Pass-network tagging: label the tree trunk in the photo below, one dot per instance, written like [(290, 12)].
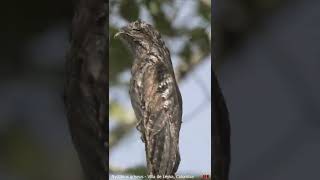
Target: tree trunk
[(221, 139), (86, 87)]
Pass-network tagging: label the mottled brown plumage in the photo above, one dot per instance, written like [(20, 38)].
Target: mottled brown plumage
[(155, 97)]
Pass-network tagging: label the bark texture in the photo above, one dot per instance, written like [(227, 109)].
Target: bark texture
[(221, 132), (86, 86)]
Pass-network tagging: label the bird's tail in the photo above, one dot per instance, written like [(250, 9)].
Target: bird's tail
[(162, 150)]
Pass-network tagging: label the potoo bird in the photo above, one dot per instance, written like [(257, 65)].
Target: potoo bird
[(155, 97)]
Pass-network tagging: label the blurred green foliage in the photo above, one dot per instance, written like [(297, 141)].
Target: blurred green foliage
[(20, 157), (119, 57)]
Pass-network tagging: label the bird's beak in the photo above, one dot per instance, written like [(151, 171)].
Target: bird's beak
[(118, 34), (122, 31)]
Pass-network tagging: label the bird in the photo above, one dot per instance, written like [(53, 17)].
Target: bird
[(155, 97)]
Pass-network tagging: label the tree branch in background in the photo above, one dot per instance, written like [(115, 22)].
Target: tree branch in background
[(120, 132), (86, 87), (221, 134), (188, 65)]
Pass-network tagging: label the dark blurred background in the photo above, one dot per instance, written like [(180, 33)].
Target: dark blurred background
[(34, 138), (268, 66)]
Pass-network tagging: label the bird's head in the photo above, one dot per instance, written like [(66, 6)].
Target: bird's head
[(139, 37)]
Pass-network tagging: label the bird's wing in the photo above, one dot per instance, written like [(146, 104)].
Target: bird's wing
[(161, 119)]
